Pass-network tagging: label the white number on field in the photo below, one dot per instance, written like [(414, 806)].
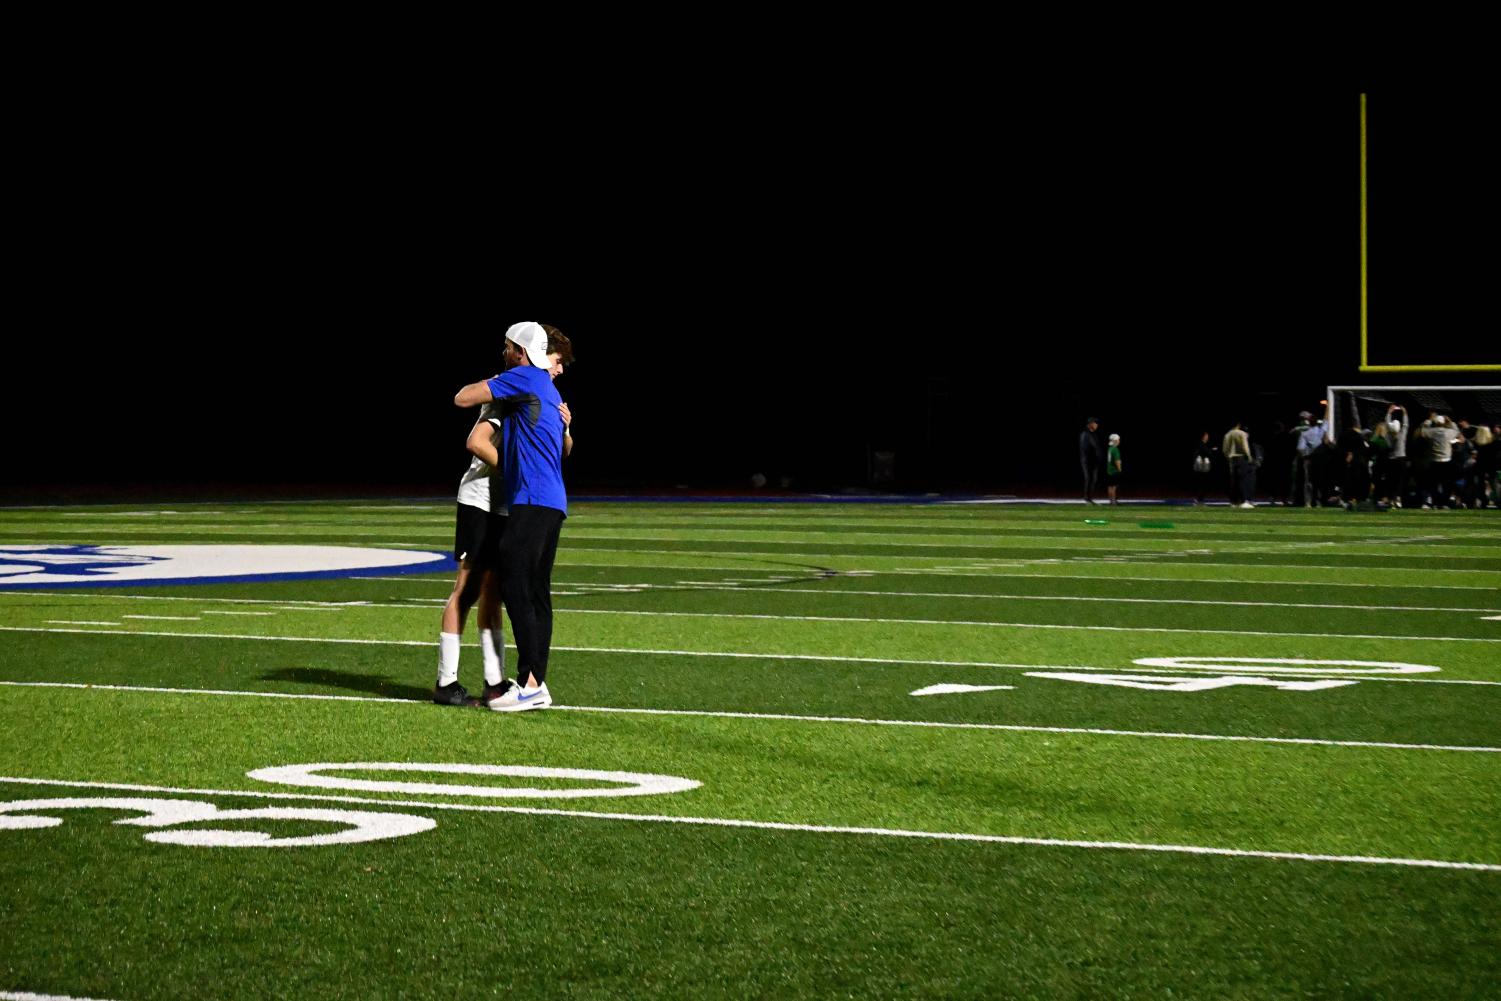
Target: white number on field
[(623, 783), (358, 825), (1284, 665), (1159, 683)]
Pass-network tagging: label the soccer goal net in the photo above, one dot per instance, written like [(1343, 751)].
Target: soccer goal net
[(1438, 445), (1366, 406)]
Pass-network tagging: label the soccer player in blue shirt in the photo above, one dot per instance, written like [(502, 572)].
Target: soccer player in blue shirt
[(532, 436), (480, 525)]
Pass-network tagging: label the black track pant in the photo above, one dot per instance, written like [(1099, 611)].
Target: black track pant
[(527, 551), (1242, 481), (1091, 478)]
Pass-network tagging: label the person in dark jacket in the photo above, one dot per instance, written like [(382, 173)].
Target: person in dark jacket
[(1381, 465), (1275, 471), (1203, 467), (1355, 465), (1091, 458)]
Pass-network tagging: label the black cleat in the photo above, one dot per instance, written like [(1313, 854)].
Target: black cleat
[(452, 694)]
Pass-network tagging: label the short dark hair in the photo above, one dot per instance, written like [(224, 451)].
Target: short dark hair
[(558, 344)]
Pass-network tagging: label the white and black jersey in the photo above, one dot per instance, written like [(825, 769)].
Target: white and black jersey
[(475, 488)]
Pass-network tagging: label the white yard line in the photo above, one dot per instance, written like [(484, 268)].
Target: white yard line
[(297, 605), (249, 528), (433, 506), (164, 618), (134, 514), (212, 611), (847, 619), (720, 584), (978, 624), (959, 572), (788, 717), (1020, 728), (1125, 545), (1070, 597), (1387, 585), (1061, 560), (776, 826), (80, 622), (640, 651)]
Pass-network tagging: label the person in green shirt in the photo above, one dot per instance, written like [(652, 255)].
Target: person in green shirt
[(1113, 468)]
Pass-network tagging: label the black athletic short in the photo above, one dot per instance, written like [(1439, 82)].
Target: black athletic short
[(476, 539)]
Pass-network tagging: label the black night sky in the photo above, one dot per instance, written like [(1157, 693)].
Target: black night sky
[(278, 291)]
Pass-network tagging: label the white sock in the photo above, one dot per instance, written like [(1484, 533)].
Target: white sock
[(448, 658), (492, 645)]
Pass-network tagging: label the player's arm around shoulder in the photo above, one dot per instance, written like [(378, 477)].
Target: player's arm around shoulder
[(567, 416), (473, 394), (481, 443), (476, 393)]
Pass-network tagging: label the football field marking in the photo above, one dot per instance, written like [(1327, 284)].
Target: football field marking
[(728, 584), (1058, 561), (626, 783), (982, 624), (359, 825), (1284, 665), (292, 603), (719, 585), (657, 652), (952, 689), (972, 623), (938, 572), (766, 825), (1171, 580), (1160, 683), (28, 996), (90, 564), (793, 718)]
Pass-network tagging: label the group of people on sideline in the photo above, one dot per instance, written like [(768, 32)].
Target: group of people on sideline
[(1440, 462)]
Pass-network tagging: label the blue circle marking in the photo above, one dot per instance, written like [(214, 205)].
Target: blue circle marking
[(30, 567)]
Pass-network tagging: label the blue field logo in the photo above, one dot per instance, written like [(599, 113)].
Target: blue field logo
[(54, 566), (87, 561)]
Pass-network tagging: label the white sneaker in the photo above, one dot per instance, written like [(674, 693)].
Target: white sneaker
[(494, 693), (1248, 504), (518, 699)]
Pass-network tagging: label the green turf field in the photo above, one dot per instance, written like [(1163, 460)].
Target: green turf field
[(1256, 754)]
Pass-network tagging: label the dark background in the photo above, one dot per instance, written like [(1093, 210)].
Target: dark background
[(259, 287)]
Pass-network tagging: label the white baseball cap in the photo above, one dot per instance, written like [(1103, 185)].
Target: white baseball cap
[(533, 340)]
